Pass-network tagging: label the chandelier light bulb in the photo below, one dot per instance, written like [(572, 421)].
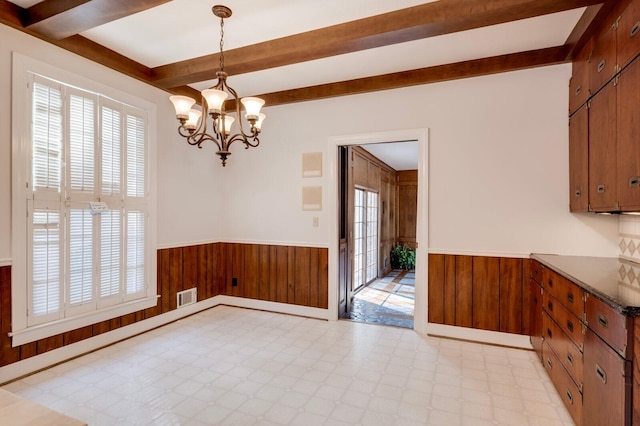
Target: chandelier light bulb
[(252, 107), (182, 104), (215, 99), (192, 122), (261, 118)]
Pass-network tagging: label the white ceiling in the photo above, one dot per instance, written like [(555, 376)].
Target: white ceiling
[(184, 29), (398, 155)]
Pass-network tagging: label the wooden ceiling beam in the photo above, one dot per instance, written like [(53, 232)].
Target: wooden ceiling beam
[(435, 74), (60, 19), (414, 23), (588, 23)]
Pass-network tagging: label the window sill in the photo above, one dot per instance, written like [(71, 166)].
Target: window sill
[(42, 331)]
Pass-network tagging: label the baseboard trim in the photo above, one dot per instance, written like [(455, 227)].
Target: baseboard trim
[(480, 336), (36, 363)]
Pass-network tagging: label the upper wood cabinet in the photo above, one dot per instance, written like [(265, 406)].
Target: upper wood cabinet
[(607, 132), (628, 34), (579, 159), (579, 90), (628, 138)]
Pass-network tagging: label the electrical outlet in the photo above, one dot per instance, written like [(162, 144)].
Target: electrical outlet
[(234, 282)]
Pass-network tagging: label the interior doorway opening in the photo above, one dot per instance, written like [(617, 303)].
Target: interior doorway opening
[(377, 197)]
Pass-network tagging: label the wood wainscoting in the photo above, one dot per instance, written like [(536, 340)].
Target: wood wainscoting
[(482, 292), (285, 274)]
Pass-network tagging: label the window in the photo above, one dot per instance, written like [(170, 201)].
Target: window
[(85, 262), (365, 237)]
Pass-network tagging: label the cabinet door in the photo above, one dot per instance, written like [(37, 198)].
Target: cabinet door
[(535, 316), (628, 138), (602, 150), (579, 161), (579, 83), (628, 34), (607, 383), (603, 63)]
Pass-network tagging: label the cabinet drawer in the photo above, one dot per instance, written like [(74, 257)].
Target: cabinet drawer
[(607, 387), (535, 316), (628, 34), (567, 352), (567, 293), (536, 271), (568, 322), (613, 327), (568, 391)]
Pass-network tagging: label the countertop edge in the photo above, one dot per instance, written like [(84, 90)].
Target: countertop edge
[(630, 311)]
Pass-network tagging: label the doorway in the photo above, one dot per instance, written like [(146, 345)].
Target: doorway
[(378, 211)]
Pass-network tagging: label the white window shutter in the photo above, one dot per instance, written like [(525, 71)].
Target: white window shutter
[(47, 135), (110, 254), (135, 160), (82, 123), (111, 137), (46, 274), (80, 261), (135, 252)]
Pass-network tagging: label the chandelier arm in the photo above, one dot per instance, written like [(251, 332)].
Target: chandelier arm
[(198, 138)]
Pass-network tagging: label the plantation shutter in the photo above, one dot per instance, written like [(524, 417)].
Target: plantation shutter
[(46, 271), (111, 144), (135, 140), (110, 253), (82, 119), (135, 252), (47, 137), (80, 242)]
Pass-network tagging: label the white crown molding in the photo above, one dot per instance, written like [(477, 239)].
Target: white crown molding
[(5, 262)]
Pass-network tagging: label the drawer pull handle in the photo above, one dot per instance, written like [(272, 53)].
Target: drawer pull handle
[(570, 297), (549, 333), (603, 321), (570, 359), (634, 181), (549, 363), (550, 282), (635, 29), (578, 193), (601, 65), (600, 189), (570, 325), (601, 373), (578, 90), (569, 397), (550, 306)]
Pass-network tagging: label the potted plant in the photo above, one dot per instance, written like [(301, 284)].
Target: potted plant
[(403, 257)]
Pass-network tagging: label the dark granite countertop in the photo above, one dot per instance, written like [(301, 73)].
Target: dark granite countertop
[(607, 278)]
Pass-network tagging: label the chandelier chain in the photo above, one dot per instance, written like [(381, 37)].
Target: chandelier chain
[(221, 44)]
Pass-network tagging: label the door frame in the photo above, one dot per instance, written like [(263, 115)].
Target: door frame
[(420, 135)]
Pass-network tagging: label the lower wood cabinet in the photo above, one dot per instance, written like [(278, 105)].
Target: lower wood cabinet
[(607, 384), (569, 392)]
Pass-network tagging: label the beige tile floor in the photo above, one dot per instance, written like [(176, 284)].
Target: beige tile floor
[(232, 366)]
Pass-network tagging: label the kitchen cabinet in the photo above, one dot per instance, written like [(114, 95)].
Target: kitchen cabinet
[(588, 337), (579, 160), (605, 128)]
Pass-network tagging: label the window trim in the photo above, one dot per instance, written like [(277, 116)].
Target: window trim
[(22, 66)]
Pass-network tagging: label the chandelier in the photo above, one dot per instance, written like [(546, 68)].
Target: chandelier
[(194, 125)]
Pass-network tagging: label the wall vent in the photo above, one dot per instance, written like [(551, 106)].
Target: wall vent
[(187, 297)]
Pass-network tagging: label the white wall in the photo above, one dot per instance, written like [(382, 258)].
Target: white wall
[(187, 177), (498, 166), (498, 163)]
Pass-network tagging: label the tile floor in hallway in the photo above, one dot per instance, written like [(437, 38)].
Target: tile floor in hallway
[(232, 366), (388, 300)]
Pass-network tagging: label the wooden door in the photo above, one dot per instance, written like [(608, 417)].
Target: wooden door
[(602, 150), (344, 270), (579, 160), (628, 138), (603, 64), (628, 34), (579, 83)]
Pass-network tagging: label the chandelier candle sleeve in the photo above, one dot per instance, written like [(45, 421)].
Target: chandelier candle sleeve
[(214, 123)]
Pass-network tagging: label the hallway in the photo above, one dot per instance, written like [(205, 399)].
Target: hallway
[(388, 301)]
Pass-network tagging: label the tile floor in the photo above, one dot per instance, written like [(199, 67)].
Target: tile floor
[(387, 300), (232, 366)]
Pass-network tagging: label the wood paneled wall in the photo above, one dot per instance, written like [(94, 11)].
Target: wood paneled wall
[(287, 274), (407, 202), (488, 293)]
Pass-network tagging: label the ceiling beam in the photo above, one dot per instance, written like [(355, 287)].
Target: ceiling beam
[(590, 21), (11, 14), (435, 74), (414, 23), (60, 19)]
